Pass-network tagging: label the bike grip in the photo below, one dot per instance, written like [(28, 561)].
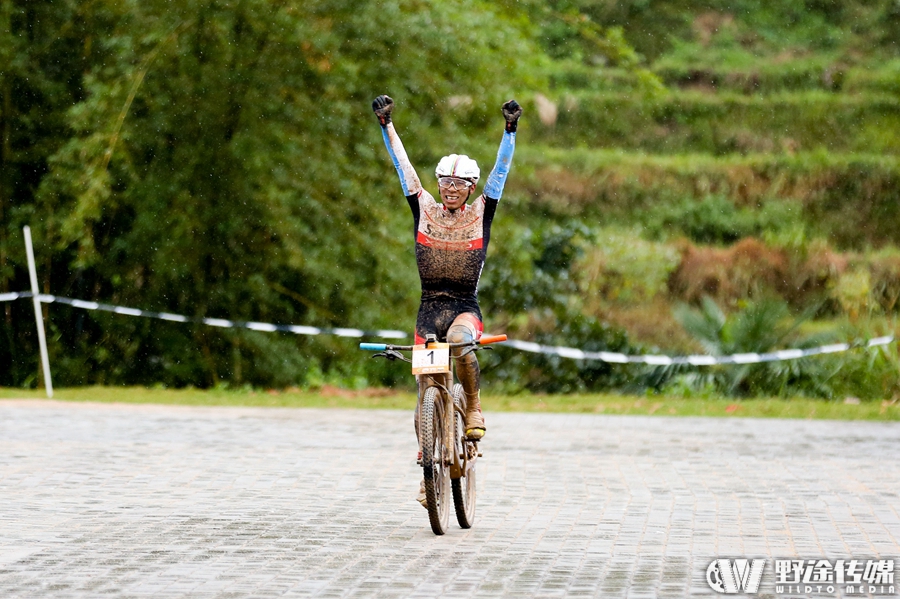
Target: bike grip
[(492, 339), (373, 346)]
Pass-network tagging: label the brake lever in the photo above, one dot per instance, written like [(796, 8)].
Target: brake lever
[(392, 355), (474, 348)]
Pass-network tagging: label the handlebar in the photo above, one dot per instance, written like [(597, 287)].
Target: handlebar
[(373, 346), (487, 340)]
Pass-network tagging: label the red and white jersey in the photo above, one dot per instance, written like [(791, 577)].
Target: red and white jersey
[(451, 245)]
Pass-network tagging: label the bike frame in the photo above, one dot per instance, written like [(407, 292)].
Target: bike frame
[(460, 460), (459, 464), (448, 463)]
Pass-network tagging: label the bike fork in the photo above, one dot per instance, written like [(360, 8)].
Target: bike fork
[(423, 383)]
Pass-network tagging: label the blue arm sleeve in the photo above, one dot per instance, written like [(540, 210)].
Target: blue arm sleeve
[(409, 181), (497, 179)]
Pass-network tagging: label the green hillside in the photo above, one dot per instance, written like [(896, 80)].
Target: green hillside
[(220, 159), (727, 122)]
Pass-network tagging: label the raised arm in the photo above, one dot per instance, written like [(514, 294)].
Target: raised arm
[(493, 188), (409, 180)]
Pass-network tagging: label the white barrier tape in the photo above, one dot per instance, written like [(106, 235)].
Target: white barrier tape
[(698, 360), (213, 322), (526, 346)]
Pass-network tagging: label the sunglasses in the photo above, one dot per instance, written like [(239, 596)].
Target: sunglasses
[(454, 183)]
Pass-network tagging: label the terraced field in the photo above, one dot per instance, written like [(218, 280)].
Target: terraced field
[(764, 168)]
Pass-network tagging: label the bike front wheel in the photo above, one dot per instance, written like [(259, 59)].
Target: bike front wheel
[(464, 486), (435, 464)]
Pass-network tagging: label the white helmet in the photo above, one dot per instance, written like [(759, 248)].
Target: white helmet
[(457, 165)]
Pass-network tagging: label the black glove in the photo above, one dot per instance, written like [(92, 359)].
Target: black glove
[(511, 112), (383, 105)]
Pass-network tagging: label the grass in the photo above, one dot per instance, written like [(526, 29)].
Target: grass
[(725, 123), (327, 397), (331, 397)]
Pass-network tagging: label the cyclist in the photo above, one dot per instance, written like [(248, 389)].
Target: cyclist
[(451, 243)]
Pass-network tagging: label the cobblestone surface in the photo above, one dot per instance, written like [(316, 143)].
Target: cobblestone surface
[(138, 501)]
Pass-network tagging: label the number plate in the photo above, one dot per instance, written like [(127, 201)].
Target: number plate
[(434, 359)]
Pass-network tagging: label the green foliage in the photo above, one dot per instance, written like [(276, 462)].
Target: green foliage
[(884, 78), (511, 371), (621, 266), (220, 159), (850, 199), (531, 291), (716, 220), (42, 48), (763, 27), (867, 374), (869, 284), (587, 54), (884, 281), (727, 123), (759, 327)]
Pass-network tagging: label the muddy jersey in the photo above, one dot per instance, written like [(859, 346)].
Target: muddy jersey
[(450, 245)]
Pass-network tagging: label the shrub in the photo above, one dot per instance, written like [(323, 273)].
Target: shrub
[(530, 292), (867, 373), (621, 266), (849, 199), (815, 270), (853, 291), (716, 219), (725, 123), (884, 266), (516, 371), (748, 269), (758, 327)]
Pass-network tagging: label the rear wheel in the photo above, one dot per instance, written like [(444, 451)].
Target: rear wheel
[(463, 487), (435, 465)]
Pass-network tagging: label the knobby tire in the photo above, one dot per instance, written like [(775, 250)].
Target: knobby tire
[(434, 467), (464, 487)]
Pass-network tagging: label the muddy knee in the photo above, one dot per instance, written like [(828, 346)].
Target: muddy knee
[(460, 333)]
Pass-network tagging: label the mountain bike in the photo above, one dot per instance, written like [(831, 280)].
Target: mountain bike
[(448, 457)]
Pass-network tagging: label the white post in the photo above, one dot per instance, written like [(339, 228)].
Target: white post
[(38, 314)]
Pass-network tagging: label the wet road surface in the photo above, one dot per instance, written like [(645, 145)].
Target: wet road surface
[(140, 501)]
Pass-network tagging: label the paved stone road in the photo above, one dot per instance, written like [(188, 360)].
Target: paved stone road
[(138, 501)]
